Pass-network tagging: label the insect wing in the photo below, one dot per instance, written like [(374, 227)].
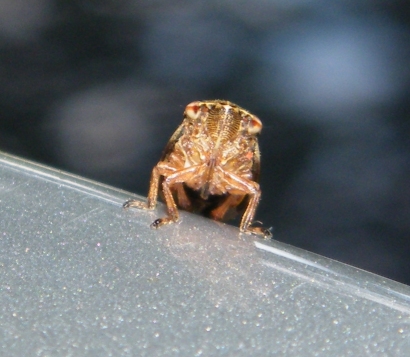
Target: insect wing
[(171, 142), (256, 167)]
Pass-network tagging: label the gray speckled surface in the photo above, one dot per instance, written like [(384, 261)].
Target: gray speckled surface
[(82, 277)]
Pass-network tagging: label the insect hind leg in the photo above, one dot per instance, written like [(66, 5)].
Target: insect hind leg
[(220, 211)]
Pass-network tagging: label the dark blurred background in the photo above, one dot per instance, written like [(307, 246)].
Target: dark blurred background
[(98, 87)]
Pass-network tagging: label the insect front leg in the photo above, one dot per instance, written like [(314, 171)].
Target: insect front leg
[(251, 188), (152, 193), (172, 178), (247, 218)]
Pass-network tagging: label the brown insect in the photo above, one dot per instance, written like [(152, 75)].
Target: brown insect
[(210, 165)]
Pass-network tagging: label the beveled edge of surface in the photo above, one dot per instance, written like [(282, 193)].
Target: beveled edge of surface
[(307, 265)]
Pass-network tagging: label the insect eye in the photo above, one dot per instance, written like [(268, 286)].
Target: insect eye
[(254, 125), (193, 110)]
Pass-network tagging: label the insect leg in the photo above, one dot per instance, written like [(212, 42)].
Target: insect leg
[(183, 201), (170, 180), (152, 194), (247, 218), (242, 185), (219, 212)]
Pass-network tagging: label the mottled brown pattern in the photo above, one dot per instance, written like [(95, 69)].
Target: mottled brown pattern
[(210, 165)]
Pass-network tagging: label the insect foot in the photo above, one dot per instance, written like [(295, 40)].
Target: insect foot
[(135, 203), (210, 166), (259, 231)]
